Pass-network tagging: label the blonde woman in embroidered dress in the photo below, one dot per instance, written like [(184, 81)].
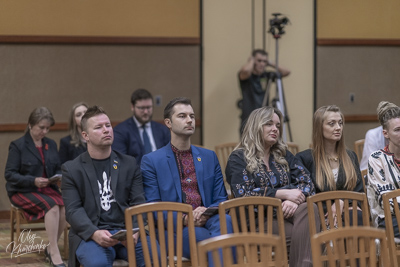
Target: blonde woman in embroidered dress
[(384, 164), (261, 165), (332, 166)]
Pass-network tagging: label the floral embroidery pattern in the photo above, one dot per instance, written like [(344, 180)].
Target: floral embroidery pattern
[(264, 179)]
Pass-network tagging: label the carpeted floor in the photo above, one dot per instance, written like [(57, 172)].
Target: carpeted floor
[(32, 258)]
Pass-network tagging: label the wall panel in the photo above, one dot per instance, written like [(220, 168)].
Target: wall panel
[(57, 76), (149, 18), (358, 19), (369, 74)]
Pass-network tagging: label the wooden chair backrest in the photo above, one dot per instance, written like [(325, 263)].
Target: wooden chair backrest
[(350, 199), (350, 247), (153, 215), (292, 147), (364, 177), (392, 212), (358, 148), (257, 247), (253, 214), (223, 151)]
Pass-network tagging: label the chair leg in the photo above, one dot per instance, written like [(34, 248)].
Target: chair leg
[(12, 227), (66, 243), (18, 232)]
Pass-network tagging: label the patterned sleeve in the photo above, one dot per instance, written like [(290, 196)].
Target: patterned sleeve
[(380, 181), (242, 182), (299, 175)]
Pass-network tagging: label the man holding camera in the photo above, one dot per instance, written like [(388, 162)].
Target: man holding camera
[(253, 80)]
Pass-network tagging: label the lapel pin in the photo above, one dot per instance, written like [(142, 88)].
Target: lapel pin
[(115, 166), (198, 159)]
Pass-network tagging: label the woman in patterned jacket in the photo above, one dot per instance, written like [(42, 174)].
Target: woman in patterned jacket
[(261, 165)]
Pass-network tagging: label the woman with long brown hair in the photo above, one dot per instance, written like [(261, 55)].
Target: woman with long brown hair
[(73, 145), (331, 165)]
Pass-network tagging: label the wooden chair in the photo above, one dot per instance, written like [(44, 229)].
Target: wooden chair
[(349, 198), (252, 249), (257, 210), (223, 151), (171, 211), (350, 247), (19, 223), (364, 176), (358, 148), (292, 147), (391, 207)]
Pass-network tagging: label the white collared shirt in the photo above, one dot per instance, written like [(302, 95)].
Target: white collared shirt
[(148, 131)]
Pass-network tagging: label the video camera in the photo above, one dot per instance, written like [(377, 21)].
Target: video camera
[(277, 24)]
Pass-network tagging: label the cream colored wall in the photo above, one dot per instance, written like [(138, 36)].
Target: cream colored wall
[(227, 45)]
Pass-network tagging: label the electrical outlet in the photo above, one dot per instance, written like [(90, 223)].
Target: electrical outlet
[(352, 95), (157, 100)]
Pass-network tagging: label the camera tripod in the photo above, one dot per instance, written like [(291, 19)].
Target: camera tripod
[(279, 100)]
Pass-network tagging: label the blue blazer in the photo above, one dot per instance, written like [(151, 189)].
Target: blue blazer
[(161, 180), (127, 139)]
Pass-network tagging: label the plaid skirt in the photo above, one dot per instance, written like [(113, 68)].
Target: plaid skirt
[(36, 204)]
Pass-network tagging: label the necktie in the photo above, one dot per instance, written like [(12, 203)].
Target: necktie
[(146, 141)]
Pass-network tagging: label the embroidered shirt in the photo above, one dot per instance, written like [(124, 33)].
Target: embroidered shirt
[(383, 177), (187, 173)]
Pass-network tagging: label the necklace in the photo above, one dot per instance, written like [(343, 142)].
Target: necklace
[(335, 159)]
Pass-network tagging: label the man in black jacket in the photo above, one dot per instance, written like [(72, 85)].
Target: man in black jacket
[(97, 187)]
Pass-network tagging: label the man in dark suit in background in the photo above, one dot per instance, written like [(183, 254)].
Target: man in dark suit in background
[(140, 135), (97, 187)]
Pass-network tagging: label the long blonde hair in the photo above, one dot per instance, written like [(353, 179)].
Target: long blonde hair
[(252, 141), (73, 127), (324, 176)]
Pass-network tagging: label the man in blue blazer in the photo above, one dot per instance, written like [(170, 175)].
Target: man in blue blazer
[(180, 172), (140, 135)]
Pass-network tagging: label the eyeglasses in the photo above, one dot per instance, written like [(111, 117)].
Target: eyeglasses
[(144, 108)]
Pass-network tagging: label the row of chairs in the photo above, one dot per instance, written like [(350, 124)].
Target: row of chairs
[(242, 208), (351, 245), (341, 248)]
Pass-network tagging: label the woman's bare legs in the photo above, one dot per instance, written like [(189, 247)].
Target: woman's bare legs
[(52, 223)]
